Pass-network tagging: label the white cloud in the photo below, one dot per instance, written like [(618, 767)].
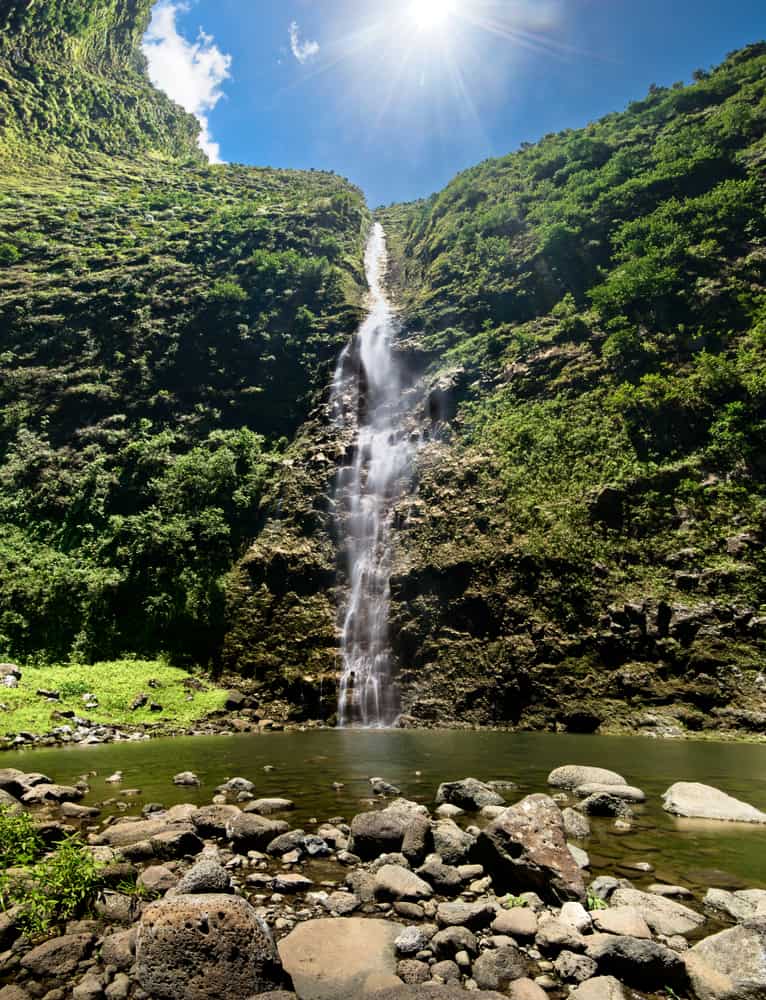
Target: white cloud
[(303, 51), (190, 73)]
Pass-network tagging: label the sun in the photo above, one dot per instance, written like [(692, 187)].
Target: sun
[(430, 15)]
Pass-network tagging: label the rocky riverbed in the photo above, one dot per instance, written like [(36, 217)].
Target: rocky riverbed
[(482, 892)]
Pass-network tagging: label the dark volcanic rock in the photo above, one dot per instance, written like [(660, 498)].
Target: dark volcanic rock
[(525, 850), (638, 963), (205, 948), (249, 832)]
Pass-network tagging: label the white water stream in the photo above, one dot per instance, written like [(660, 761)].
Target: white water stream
[(370, 397)]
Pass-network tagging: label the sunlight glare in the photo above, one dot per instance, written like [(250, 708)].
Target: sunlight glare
[(429, 15)]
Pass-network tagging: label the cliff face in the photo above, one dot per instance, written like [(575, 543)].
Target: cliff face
[(165, 329), (72, 78)]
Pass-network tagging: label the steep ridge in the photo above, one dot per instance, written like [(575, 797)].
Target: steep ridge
[(165, 328), (587, 544)]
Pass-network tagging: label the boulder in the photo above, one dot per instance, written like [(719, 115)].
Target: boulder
[(212, 947), (132, 832), (429, 991), (444, 878), (576, 826), (572, 776), (729, 964), (574, 968), (468, 794), (640, 964), (44, 794), (452, 844), (599, 988), (463, 914), (740, 906), (451, 940), (59, 957), (411, 972), (249, 832), (626, 792), (186, 778), (664, 916), (396, 882), (525, 849), (697, 801), (401, 827), (119, 949), (179, 842), (446, 971), (236, 785), (265, 807), (211, 821), (157, 879), (554, 936), (340, 958), (518, 922), (625, 921), (414, 939), (605, 804), (497, 968), (207, 876)]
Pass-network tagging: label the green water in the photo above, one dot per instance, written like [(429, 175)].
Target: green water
[(305, 765)]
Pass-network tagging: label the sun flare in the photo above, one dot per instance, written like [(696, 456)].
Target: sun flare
[(430, 15)]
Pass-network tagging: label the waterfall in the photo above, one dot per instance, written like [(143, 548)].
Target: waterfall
[(370, 402)]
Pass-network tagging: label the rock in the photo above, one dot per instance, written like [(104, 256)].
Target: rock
[(729, 964), (664, 916), (140, 701), (447, 811), (382, 787), (694, 800), (526, 989), (605, 804), (119, 988), (518, 922), (599, 988), (340, 959), (12, 992), (671, 891), (574, 968), (402, 826), (316, 847), (581, 857), (16, 782), (576, 826), (8, 802), (249, 832), (429, 991), (70, 810), (468, 794), (461, 914), (395, 882), (626, 792), (342, 903), (734, 905), (188, 778), (235, 701), (119, 949), (497, 968), (44, 793), (444, 878), (576, 916), (412, 972), (206, 876), (208, 947), (414, 939), (211, 821), (265, 807), (452, 844), (625, 921), (446, 971), (178, 842), (290, 883), (572, 776), (554, 936), (604, 886), (58, 958), (451, 940), (236, 785), (525, 849), (641, 964)]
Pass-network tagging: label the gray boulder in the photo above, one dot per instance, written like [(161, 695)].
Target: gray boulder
[(59, 957), (572, 776), (402, 827), (44, 794), (249, 832), (664, 916), (599, 988), (468, 794), (694, 800), (497, 968), (396, 882), (576, 826), (626, 792), (212, 947), (729, 965), (452, 844), (525, 849), (640, 964), (205, 877), (211, 821)]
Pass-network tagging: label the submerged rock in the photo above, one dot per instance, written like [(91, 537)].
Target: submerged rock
[(575, 775), (694, 800)]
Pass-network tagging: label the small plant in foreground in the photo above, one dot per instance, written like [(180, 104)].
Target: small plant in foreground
[(596, 902), (20, 843), (514, 902)]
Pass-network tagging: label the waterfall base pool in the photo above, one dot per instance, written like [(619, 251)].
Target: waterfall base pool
[(304, 766)]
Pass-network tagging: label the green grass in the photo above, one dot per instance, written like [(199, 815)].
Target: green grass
[(116, 684)]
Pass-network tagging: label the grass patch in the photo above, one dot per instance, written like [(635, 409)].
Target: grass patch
[(115, 684)]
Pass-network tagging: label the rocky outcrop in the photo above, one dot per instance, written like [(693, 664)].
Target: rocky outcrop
[(525, 850)]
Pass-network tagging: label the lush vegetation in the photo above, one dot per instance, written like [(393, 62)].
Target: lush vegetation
[(593, 310), (115, 685), (164, 329), (47, 889)]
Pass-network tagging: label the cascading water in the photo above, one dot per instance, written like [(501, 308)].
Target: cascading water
[(370, 400)]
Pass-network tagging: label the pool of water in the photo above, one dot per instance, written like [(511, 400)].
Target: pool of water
[(304, 766)]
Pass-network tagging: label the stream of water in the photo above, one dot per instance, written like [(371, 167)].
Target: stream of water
[(369, 397)]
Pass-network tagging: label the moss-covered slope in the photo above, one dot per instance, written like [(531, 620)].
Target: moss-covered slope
[(590, 313), (165, 327)]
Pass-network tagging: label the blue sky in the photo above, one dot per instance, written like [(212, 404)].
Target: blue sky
[(399, 96)]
